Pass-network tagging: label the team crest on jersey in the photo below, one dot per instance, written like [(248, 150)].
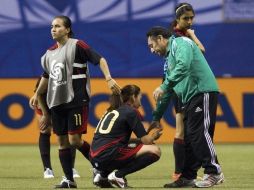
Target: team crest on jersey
[(58, 74)]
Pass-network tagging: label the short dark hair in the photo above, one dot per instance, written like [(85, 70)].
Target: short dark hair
[(158, 30)]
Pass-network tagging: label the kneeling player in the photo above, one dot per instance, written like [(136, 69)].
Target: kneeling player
[(111, 154)]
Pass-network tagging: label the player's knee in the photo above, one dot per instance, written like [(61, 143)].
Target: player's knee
[(75, 142), (63, 142), (64, 145)]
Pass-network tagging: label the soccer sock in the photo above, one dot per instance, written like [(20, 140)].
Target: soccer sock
[(44, 147), (73, 156), (137, 164), (66, 162), (84, 149), (179, 153)]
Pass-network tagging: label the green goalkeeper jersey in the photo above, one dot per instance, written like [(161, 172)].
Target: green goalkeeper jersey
[(188, 73)]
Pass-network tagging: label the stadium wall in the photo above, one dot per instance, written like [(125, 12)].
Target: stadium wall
[(235, 117)]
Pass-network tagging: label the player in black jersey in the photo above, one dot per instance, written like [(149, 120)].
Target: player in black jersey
[(44, 120), (67, 82), (110, 149)]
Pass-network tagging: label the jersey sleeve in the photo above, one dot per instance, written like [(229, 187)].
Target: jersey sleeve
[(135, 122), (86, 53), (161, 106)]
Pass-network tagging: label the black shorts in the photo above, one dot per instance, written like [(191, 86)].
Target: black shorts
[(177, 103), (69, 120), (123, 156)]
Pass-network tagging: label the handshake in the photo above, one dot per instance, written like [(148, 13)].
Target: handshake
[(155, 130)]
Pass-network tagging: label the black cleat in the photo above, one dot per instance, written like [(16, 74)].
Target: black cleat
[(103, 183), (181, 182)]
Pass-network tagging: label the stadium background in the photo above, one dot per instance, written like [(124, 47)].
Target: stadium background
[(116, 28)]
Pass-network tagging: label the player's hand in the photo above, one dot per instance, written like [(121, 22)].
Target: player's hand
[(33, 102), (155, 130), (157, 93), (190, 32), (156, 135), (116, 89), (153, 125)]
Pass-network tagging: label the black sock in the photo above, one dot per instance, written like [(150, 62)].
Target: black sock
[(65, 159), (179, 153), (138, 164), (44, 146), (84, 149), (73, 156)]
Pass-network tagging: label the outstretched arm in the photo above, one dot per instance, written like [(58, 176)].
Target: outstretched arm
[(161, 106), (111, 82)]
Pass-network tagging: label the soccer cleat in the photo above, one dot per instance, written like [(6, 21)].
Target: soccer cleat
[(48, 173), (119, 182), (66, 184), (181, 182), (210, 180), (75, 173), (99, 181)]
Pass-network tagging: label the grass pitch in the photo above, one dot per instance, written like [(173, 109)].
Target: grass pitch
[(21, 168)]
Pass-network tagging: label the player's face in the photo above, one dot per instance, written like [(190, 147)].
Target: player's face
[(157, 45), (137, 101), (185, 21), (58, 30)]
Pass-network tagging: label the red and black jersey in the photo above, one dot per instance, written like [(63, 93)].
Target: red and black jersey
[(84, 54), (179, 33), (59, 60), (114, 130)]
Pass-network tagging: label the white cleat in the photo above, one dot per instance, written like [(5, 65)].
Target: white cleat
[(119, 182), (210, 180), (48, 173)]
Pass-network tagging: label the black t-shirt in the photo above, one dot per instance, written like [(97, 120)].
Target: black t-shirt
[(114, 130)]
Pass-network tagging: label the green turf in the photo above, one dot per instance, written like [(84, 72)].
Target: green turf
[(21, 168)]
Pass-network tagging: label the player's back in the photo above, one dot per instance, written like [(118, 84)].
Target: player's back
[(113, 131)]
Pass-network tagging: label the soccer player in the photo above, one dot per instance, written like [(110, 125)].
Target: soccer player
[(181, 26), (190, 76), (43, 115), (66, 79), (109, 148)]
